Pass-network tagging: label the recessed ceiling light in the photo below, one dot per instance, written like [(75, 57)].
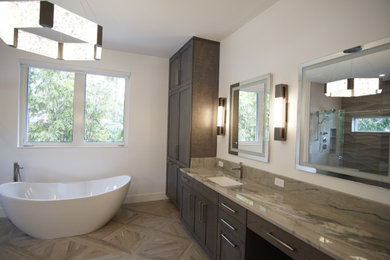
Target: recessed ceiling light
[(382, 75)]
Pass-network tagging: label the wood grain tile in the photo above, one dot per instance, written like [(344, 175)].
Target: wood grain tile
[(141, 231)]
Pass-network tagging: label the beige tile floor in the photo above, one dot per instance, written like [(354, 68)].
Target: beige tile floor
[(149, 230)]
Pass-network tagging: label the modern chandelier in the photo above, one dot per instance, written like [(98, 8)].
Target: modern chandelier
[(47, 29), (353, 87)]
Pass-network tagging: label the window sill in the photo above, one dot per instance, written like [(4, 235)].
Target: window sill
[(56, 146)]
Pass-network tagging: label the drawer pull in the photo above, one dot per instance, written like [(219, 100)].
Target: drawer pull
[(204, 213), (280, 241), (229, 208), (227, 240), (227, 224), (185, 179), (200, 212)]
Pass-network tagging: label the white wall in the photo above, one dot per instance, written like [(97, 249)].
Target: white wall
[(143, 159), (290, 33)]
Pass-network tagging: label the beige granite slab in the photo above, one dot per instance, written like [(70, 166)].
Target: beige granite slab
[(341, 230)]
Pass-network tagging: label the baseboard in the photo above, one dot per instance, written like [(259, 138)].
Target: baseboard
[(133, 198)]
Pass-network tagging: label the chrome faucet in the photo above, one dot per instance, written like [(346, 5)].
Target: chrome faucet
[(17, 169), (240, 170)]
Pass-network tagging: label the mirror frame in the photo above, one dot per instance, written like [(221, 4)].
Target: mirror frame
[(304, 103), (233, 123)]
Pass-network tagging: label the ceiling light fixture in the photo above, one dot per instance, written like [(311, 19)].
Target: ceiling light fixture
[(353, 87), (49, 30)]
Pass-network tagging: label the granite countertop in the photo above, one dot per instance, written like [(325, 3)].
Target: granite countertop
[(337, 232)]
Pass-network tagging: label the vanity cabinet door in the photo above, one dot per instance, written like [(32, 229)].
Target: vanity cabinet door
[(185, 127), (187, 204), (186, 64), (174, 72), (171, 188), (205, 224), (180, 67), (199, 221), (173, 127), (211, 233)]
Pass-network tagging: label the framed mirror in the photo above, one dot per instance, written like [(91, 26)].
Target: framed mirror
[(249, 118), (344, 115)]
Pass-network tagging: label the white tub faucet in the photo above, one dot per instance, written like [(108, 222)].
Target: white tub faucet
[(17, 169)]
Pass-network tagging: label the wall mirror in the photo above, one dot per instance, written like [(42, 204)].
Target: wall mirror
[(344, 115), (249, 118)]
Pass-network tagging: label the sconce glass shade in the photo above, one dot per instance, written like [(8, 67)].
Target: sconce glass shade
[(37, 44), (221, 119), (44, 28), (279, 115), (280, 112), (353, 87)]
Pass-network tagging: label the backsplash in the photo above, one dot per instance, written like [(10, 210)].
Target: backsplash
[(304, 191)]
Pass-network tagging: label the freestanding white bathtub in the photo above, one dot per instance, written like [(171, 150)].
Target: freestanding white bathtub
[(53, 210)]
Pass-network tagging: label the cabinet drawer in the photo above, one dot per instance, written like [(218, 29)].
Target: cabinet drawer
[(283, 240), (233, 209), (206, 192), (230, 223), (230, 248), (186, 180)]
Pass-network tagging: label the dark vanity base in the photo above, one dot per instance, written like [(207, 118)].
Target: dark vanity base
[(259, 248)]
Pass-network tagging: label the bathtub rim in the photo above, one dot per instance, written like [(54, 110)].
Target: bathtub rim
[(122, 185)]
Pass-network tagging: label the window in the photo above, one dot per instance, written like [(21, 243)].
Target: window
[(71, 108), (49, 106), (371, 124), (247, 116), (104, 107)]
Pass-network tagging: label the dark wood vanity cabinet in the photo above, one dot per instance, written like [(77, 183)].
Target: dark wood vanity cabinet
[(199, 213), (192, 109), (206, 218), (264, 239), (172, 180), (228, 231), (187, 207)]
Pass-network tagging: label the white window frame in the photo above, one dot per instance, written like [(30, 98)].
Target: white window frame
[(355, 123), (78, 106)]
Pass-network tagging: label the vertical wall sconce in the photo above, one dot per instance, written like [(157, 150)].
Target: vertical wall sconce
[(221, 121), (280, 112)]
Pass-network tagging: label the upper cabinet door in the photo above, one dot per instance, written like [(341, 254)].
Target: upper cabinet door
[(186, 64), (173, 127), (174, 72), (185, 127)]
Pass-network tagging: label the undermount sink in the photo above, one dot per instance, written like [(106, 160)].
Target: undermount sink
[(224, 181)]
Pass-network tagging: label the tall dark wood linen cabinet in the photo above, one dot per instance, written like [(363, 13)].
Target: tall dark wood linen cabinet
[(193, 102)]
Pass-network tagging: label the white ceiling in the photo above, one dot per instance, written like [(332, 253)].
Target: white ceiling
[(161, 27)]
